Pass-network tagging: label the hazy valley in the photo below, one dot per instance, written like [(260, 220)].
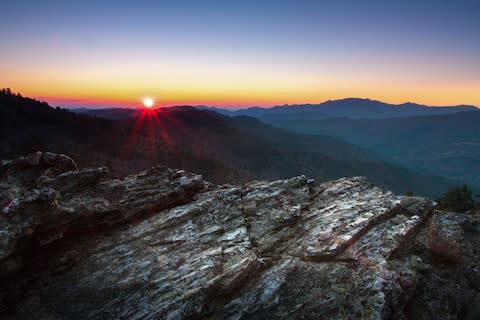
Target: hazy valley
[(224, 149)]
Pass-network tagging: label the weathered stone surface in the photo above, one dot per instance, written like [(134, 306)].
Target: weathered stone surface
[(19, 175), (163, 244), (45, 209), (450, 289)]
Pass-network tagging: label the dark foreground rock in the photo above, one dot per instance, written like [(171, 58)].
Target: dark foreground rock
[(164, 244)]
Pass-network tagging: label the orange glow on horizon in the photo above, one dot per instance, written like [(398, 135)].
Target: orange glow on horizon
[(225, 85), (267, 100), (243, 92)]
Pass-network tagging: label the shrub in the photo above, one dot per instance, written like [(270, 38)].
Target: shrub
[(458, 199)]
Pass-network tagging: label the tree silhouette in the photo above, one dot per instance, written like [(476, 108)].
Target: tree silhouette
[(458, 199)]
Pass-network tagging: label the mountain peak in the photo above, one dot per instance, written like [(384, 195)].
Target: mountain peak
[(353, 99)]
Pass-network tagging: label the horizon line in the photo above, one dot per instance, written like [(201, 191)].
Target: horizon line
[(233, 108)]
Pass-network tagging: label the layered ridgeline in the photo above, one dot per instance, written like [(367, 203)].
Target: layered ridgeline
[(443, 141), (221, 148), (166, 244), (353, 108), (447, 145)]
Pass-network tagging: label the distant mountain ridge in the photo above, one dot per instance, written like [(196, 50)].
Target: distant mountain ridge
[(354, 108), (223, 149), (437, 140), (446, 145)]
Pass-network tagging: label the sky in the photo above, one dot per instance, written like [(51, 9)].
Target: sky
[(241, 53)]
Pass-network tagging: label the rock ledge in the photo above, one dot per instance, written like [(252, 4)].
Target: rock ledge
[(164, 244)]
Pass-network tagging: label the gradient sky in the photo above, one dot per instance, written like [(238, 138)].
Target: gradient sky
[(241, 53)]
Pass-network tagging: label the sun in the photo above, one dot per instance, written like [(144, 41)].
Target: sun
[(148, 102)]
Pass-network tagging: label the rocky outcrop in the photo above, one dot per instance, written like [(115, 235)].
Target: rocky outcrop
[(43, 209), (164, 244)]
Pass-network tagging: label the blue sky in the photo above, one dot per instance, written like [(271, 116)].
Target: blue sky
[(298, 51)]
